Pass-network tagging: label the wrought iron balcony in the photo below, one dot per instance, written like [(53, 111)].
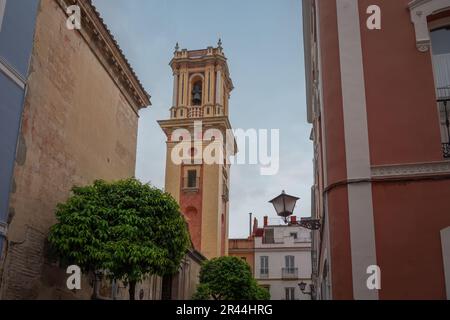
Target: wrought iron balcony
[(444, 112), (289, 273), (264, 273), (446, 150)]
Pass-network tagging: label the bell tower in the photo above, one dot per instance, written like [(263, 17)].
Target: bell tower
[(201, 90)]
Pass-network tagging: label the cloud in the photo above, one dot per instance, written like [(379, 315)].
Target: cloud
[(265, 60)]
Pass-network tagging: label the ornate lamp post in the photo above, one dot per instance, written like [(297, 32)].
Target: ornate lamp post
[(302, 287), (284, 205)]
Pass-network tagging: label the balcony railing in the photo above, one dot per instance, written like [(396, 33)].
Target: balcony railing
[(444, 112), (195, 112), (264, 273), (289, 273)]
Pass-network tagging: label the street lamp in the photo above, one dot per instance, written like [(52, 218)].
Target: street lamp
[(302, 286), (284, 205)]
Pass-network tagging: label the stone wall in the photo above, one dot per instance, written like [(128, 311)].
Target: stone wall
[(76, 127)]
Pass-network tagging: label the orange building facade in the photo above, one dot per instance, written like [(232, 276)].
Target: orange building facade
[(378, 99), (243, 249), (199, 119)]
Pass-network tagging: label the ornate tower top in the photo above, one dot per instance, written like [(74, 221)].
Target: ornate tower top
[(202, 83)]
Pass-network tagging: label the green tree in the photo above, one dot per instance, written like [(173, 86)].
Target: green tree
[(228, 278), (126, 228)]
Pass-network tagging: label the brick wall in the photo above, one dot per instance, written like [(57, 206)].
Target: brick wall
[(76, 127)]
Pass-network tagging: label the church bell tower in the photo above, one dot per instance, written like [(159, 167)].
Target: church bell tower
[(201, 90)]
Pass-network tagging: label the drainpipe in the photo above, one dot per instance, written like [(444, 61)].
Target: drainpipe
[(250, 225)]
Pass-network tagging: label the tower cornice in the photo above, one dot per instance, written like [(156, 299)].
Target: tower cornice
[(210, 56)]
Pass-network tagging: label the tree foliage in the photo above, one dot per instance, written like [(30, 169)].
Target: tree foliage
[(228, 278), (126, 228)]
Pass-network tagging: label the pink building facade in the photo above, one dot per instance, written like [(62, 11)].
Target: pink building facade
[(378, 100)]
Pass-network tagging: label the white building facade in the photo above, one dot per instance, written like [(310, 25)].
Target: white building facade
[(283, 261)]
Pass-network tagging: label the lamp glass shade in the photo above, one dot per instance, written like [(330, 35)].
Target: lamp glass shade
[(284, 204), (302, 286)]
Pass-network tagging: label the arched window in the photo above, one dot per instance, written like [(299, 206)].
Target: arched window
[(197, 93)]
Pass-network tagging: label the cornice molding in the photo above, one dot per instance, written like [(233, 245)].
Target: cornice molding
[(413, 169), (105, 47), (184, 59), (420, 10)]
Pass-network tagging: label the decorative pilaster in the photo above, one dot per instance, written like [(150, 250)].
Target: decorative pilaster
[(175, 89), (219, 87)]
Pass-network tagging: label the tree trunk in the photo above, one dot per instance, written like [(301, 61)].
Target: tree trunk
[(132, 290)]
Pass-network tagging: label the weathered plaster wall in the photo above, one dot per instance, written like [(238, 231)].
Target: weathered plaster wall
[(76, 127)]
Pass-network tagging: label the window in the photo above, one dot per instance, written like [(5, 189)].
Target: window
[(264, 265), (294, 235), (290, 263), (289, 271), (192, 179), (290, 293), (269, 236), (440, 44)]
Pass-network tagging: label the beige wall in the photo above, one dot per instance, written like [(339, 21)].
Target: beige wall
[(209, 201), (173, 174), (186, 281), (211, 219), (76, 127)]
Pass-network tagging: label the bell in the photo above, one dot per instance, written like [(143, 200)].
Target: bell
[(197, 97)]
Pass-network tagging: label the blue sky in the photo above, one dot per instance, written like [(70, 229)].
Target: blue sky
[(262, 40)]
